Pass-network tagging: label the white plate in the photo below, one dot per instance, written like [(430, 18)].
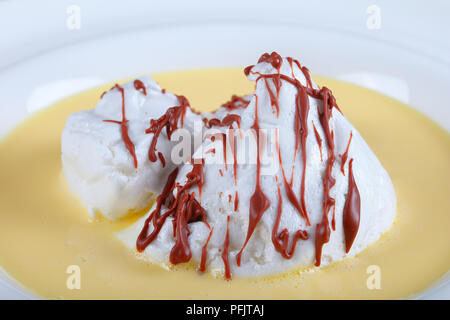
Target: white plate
[(394, 48)]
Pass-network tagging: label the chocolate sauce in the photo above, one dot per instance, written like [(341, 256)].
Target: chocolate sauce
[(162, 159), (319, 140), (227, 121), (258, 202), (345, 155), (301, 129), (183, 208), (224, 149), (232, 143), (139, 85), (169, 120), (124, 128), (236, 102), (352, 207), (275, 60), (281, 240), (288, 186), (225, 258), (304, 70), (202, 266), (144, 239), (323, 229)]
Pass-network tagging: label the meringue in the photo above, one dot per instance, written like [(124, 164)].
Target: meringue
[(111, 171), (220, 231)]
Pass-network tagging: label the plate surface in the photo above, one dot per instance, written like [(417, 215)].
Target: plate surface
[(53, 50)]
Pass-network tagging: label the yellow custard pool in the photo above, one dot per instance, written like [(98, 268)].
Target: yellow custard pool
[(44, 229)]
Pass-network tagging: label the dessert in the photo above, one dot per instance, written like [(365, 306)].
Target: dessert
[(45, 229), (311, 192), (114, 158)]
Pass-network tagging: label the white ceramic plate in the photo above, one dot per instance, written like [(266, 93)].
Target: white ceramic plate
[(52, 49)]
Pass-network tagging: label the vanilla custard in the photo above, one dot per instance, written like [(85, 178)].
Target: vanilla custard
[(44, 229)]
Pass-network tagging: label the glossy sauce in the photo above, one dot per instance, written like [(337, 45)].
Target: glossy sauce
[(352, 206), (124, 127), (170, 121), (259, 202), (43, 229)]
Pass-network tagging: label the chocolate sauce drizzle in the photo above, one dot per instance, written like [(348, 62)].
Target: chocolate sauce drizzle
[(281, 240), (301, 130), (124, 127), (259, 203), (202, 266), (169, 120), (225, 257), (345, 155), (236, 102), (227, 121), (139, 85), (318, 139), (183, 208), (352, 207), (323, 229)]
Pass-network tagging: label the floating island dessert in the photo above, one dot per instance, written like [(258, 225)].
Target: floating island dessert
[(280, 179), (114, 158)]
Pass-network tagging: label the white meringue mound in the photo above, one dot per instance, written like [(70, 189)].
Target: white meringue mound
[(98, 167), (259, 258)]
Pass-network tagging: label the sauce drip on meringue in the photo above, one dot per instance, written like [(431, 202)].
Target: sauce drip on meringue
[(124, 127)]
